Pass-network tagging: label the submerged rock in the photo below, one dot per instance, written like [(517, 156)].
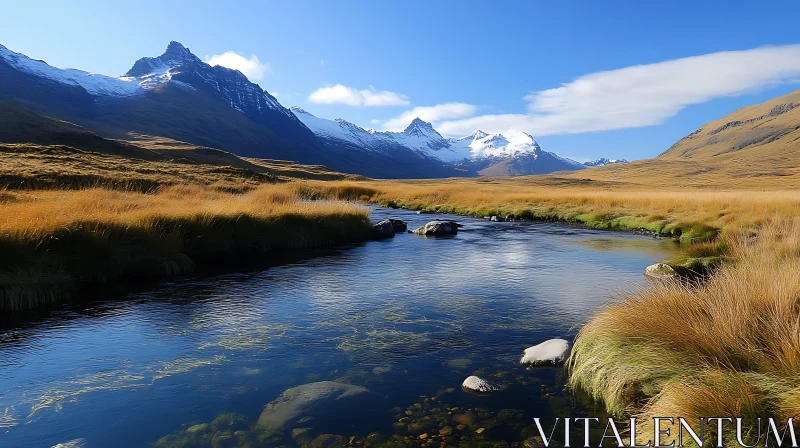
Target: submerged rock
[(307, 398), (478, 384), (383, 229), (329, 441), (398, 225), (438, 228), (661, 271), (554, 351)]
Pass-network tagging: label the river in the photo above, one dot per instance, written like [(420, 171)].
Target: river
[(408, 318)]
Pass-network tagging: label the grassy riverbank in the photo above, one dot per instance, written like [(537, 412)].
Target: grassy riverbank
[(699, 218), (54, 242), (727, 346)]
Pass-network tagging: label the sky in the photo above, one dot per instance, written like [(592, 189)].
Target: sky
[(617, 79)]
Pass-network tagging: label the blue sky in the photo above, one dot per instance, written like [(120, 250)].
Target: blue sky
[(393, 57)]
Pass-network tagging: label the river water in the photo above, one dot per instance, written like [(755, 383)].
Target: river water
[(407, 318)]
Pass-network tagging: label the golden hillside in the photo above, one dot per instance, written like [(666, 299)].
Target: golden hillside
[(755, 147)]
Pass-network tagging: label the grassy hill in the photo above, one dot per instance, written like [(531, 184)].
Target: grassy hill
[(755, 147), (42, 152)]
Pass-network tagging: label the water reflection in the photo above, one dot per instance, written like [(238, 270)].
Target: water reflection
[(403, 317)]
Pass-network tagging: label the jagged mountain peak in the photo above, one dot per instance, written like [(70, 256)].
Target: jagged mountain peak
[(175, 55), (419, 124)]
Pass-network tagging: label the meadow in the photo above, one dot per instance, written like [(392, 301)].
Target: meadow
[(54, 242)]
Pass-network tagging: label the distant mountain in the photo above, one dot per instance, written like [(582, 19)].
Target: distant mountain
[(603, 161), (511, 153), (178, 96)]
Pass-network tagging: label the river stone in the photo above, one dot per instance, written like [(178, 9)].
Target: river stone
[(661, 271), (329, 441), (383, 229), (478, 384), (438, 228), (554, 351), (398, 225), (304, 399)]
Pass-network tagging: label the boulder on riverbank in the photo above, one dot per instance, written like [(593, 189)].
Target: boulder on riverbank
[(383, 229), (438, 228), (398, 225), (552, 352), (660, 271), (302, 400), (479, 385)]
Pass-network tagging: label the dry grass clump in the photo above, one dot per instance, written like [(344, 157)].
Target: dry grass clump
[(54, 241), (727, 347)]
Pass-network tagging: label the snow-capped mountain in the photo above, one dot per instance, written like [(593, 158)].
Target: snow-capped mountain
[(178, 64), (603, 161), (344, 131), (177, 95), (477, 151), (99, 85)]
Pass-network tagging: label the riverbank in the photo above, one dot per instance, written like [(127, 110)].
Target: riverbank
[(728, 346), (725, 346), (700, 219), (55, 242)]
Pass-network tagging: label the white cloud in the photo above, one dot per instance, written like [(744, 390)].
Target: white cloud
[(641, 95), (433, 114), (252, 67), (349, 96)]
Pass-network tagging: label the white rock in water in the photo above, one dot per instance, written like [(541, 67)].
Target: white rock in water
[(478, 384), (77, 443), (660, 271), (554, 351)]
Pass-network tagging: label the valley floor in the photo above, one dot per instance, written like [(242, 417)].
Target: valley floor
[(726, 346)]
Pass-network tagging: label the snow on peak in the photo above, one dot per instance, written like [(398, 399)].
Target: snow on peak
[(94, 84), (604, 161), (418, 125), (343, 131), (175, 55)]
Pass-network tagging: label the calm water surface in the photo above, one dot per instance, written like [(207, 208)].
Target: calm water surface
[(407, 318)]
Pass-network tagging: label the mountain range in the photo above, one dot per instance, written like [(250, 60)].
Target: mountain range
[(178, 96)]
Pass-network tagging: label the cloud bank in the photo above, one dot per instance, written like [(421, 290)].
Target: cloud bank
[(640, 95), (349, 96), (252, 67), (433, 114)]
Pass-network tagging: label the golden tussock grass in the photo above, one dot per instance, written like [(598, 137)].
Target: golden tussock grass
[(54, 241), (729, 346)]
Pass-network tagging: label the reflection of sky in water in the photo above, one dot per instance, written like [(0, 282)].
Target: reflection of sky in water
[(192, 349)]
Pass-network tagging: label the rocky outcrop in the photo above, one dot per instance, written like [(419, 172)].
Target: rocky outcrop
[(438, 228), (302, 400), (552, 352)]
